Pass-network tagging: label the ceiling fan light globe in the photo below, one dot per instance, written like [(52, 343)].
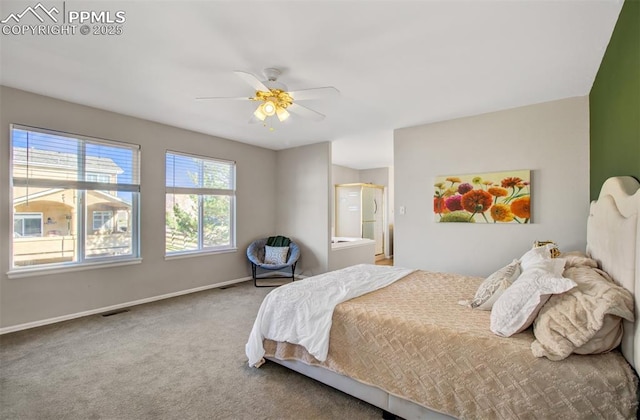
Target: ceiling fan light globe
[(259, 114), (269, 108), (282, 113)]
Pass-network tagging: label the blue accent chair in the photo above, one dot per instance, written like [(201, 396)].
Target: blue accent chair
[(255, 253)]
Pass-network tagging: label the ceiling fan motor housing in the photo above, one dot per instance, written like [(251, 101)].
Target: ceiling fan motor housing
[(272, 76)]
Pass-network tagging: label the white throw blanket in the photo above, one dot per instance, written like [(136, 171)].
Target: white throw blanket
[(301, 312)]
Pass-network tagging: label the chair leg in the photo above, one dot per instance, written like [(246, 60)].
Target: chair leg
[(253, 273)]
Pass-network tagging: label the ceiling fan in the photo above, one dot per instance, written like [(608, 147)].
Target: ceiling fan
[(275, 100)]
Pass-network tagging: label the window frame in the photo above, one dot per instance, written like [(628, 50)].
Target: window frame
[(82, 186), (201, 192)]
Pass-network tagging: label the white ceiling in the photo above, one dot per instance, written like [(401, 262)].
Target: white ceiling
[(396, 63)]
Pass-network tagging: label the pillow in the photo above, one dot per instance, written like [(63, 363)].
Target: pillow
[(541, 257), (517, 307), (275, 255), (555, 252), (494, 285), (585, 320)]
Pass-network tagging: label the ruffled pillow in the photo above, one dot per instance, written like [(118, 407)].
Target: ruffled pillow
[(541, 277), (518, 306), (541, 257)]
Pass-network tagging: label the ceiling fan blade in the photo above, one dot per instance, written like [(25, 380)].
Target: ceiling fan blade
[(236, 98), (305, 112), (314, 93), (252, 80)]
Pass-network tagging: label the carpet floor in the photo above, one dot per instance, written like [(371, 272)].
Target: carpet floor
[(180, 358)]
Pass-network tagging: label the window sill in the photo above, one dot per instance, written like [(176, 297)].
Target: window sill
[(43, 271), (192, 254)]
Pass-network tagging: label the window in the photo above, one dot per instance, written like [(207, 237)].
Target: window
[(75, 199), (200, 204), (27, 224), (94, 177), (102, 220)]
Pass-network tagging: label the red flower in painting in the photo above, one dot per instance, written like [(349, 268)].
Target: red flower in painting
[(477, 201), (439, 205), (512, 181)]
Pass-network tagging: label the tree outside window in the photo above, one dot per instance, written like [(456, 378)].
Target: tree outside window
[(200, 210)]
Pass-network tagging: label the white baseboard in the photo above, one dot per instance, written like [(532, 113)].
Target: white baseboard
[(43, 322)]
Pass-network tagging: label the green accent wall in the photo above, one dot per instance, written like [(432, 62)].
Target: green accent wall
[(614, 104)]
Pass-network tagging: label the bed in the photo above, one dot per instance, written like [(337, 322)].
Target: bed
[(412, 350)]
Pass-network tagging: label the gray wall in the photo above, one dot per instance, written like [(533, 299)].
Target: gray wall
[(29, 299), (378, 176), (303, 185), (344, 175), (551, 139)]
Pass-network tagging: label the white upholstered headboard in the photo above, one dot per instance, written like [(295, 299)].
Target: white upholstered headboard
[(613, 239)]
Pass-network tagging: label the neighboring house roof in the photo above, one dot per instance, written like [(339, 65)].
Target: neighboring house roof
[(23, 199), (108, 197), (99, 195), (61, 160)]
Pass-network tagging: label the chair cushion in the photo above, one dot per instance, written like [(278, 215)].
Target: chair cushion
[(275, 254)]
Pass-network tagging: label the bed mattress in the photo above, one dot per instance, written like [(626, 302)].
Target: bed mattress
[(413, 340)]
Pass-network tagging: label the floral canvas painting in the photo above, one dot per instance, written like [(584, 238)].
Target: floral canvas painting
[(495, 197)]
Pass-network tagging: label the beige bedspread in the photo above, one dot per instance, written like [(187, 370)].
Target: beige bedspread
[(413, 340)]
